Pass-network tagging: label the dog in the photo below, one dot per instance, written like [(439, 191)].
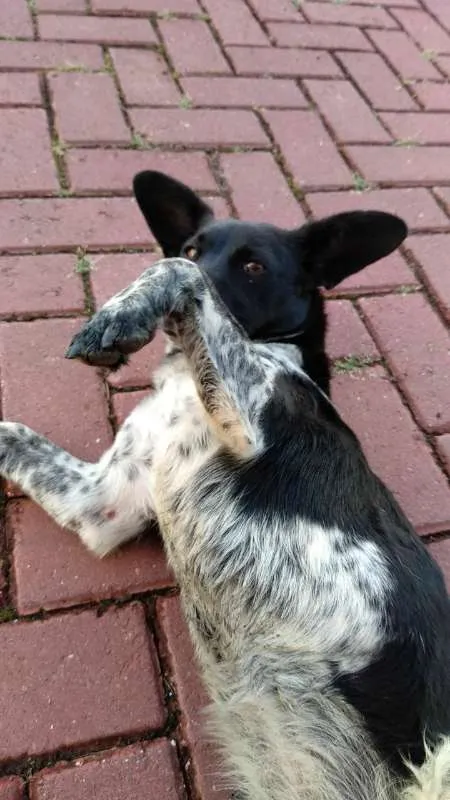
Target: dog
[(320, 621)]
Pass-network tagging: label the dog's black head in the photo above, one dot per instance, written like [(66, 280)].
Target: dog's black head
[(269, 278)]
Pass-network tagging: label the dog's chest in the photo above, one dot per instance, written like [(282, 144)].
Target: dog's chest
[(181, 430), (182, 443)]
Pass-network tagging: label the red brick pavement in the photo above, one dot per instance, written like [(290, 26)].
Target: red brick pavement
[(274, 110)]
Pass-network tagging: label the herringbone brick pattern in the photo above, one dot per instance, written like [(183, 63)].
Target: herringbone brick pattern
[(274, 110)]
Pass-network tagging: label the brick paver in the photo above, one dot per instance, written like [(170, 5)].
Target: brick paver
[(68, 6), (144, 78), (53, 570), (320, 37), (19, 89), (402, 165), (406, 3), (274, 111), (11, 789), (49, 55), (418, 127), (38, 285), (112, 170), (27, 163), (416, 345), (343, 107), (396, 449), (109, 664), (405, 57), (45, 374), (149, 769), (144, 7), (376, 81), (267, 10), (431, 255), (434, 96), (104, 124), (346, 335), (443, 193), (416, 205), (244, 92), (348, 15), (235, 23), (311, 155), (444, 64), (199, 128), (15, 20), (104, 30), (191, 47), (283, 62), (443, 448), (424, 30), (112, 272), (63, 224), (276, 202)]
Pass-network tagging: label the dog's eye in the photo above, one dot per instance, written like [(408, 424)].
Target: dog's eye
[(191, 253), (254, 268)]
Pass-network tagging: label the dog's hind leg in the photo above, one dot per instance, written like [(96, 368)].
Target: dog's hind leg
[(106, 503)]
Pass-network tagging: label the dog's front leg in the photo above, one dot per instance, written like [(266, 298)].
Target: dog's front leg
[(128, 321), (233, 376), (230, 373)]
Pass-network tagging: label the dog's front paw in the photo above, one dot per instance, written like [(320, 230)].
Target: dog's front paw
[(110, 336)]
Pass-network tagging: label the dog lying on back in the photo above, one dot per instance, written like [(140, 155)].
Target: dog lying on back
[(320, 621)]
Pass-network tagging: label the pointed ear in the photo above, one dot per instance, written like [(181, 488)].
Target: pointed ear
[(338, 246), (173, 212)]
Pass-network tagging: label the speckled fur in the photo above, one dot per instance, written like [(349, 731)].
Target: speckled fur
[(280, 600)]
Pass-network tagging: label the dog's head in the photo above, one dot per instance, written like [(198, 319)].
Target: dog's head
[(268, 277)]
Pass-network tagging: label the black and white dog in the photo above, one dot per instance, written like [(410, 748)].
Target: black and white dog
[(320, 621)]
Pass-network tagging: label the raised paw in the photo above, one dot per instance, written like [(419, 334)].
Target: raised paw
[(110, 336)]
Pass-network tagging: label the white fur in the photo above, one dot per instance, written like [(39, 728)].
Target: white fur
[(431, 781)]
